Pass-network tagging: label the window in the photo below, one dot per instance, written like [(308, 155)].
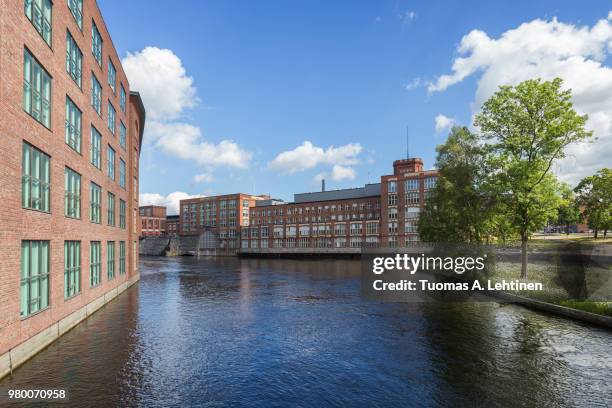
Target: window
[(94, 203), (96, 94), (121, 173), (36, 90), (412, 184), (110, 163), (73, 125), (122, 134), (111, 209), (412, 212), (121, 257), (412, 198), (355, 228), (39, 14), (410, 227), (94, 263), (111, 118), (392, 213), (96, 43), (112, 75), (430, 182), (35, 187), (121, 214), (74, 59), (34, 276), (392, 199), (76, 8), (392, 187), (72, 187), (96, 141), (72, 268), (372, 228), (122, 97), (110, 260)]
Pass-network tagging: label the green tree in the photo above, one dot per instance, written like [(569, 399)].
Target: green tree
[(568, 212), (595, 196), (528, 127), (459, 208)]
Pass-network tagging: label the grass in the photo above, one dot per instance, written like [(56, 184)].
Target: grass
[(596, 280), (602, 308)]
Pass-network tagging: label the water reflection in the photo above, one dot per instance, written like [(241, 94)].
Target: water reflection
[(230, 332)]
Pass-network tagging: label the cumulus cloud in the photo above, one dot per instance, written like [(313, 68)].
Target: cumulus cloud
[(168, 92), (185, 141), (443, 123), (307, 156), (408, 16), (162, 81), (340, 173), (547, 49), (171, 201), (203, 178)]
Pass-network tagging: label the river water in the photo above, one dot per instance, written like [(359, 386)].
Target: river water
[(278, 333)]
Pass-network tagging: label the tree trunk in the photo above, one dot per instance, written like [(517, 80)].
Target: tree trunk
[(524, 239), (567, 226), (605, 233), (595, 236)]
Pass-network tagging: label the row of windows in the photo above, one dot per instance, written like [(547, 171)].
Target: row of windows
[(35, 269), (36, 190), (412, 184), (340, 242)]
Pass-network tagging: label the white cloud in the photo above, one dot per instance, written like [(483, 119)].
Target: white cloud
[(185, 141), (547, 49), (171, 201), (415, 83), (160, 78), (408, 16), (340, 173), (443, 123), (203, 178), (307, 156), (167, 92)]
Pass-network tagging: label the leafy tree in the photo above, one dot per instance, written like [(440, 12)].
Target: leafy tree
[(456, 210), (527, 128), (595, 195), (568, 212)]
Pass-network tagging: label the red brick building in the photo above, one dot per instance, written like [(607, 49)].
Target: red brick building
[(403, 197), (172, 225), (70, 137), (152, 221), (218, 218), (384, 214)]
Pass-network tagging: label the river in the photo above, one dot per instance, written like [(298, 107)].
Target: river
[(277, 333)]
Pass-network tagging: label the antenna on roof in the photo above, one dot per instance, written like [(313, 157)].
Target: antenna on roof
[(407, 142)]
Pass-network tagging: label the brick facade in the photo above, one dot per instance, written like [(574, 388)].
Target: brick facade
[(18, 34), (152, 221)]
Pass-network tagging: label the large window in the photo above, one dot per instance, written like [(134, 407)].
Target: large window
[(112, 113), (76, 8), (95, 267), (122, 134), (95, 151), (111, 209), (73, 125), (412, 184), (96, 94), (96, 43), (121, 257), (122, 98), (39, 13), (34, 276), (112, 75), (121, 173), (392, 187), (72, 200), (430, 182), (94, 203), (74, 59), (110, 163), (72, 268), (36, 90), (110, 260), (35, 187), (121, 214)]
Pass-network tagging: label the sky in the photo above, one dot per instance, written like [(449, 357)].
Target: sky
[(269, 97)]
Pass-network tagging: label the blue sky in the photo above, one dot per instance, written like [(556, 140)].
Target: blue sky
[(347, 76)]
